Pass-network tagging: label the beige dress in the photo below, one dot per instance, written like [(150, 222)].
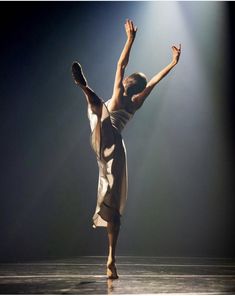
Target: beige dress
[(107, 143)]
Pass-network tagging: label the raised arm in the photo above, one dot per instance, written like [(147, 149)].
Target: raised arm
[(140, 98), (123, 60)]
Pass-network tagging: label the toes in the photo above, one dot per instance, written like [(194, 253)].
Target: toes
[(112, 271)]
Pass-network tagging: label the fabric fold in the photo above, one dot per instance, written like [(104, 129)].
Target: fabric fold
[(107, 143)]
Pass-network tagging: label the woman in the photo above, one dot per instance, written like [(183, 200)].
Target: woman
[(107, 119)]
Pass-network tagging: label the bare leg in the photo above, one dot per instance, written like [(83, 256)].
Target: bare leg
[(113, 231), (92, 99), (95, 104)]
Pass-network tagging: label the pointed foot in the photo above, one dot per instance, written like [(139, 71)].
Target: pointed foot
[(78, 75), (112, 271)]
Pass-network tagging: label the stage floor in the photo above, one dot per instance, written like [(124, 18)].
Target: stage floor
[(137, 275)]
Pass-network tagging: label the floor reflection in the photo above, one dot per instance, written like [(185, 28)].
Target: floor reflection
[(110, 286), (137, 275)]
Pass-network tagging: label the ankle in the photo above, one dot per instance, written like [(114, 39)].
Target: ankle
[(111, 261)]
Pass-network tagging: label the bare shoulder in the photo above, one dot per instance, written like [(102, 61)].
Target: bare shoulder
[(137, 101), (115, 103), (132, 106), (139, 98), (124, 103), (112, 104)]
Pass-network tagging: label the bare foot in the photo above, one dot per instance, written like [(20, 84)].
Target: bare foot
[(112, 271), (78, 75)]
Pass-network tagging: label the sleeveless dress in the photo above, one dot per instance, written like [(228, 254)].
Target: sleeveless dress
[(107, 143)]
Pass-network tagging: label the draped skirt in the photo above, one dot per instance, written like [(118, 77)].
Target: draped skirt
[(110, 151)]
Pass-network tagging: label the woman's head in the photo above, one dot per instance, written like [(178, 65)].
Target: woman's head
[(135, 83)]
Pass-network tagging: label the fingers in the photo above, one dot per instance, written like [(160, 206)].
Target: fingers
[(177, 49), (130, 25)]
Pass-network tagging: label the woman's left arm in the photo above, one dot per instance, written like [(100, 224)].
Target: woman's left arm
[(123, 59)]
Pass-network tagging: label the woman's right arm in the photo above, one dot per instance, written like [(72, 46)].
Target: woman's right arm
[(140, 98)]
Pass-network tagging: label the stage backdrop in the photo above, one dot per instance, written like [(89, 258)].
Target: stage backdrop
[(180, 145)]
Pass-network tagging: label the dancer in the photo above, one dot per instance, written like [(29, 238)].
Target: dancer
[(107, 119)]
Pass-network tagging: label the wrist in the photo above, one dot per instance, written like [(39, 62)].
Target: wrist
[(130, 39), (173, 63)]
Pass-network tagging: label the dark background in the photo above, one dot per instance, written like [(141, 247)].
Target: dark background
[(176, 206)]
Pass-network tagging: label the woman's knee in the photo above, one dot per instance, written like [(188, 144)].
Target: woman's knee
[(95, 109), (113, 227)]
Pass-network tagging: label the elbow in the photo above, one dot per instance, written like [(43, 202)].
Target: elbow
[(122, 65)]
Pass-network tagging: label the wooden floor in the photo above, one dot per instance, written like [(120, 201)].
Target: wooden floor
[(137, 275)]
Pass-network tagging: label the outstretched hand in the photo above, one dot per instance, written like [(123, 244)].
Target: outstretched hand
[(176, 53), (130, 29)]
